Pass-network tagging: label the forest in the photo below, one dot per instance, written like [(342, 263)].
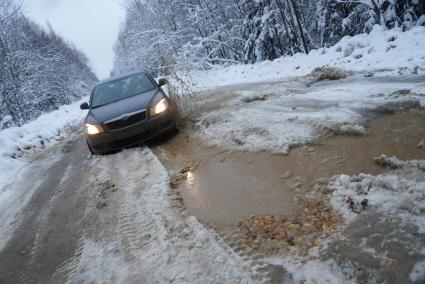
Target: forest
[(162, 34), (39, 71)]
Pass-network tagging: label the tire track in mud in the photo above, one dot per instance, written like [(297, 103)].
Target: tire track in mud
[(40, 235), (43, 218), (28, 213), (70, 266), (136, 236)]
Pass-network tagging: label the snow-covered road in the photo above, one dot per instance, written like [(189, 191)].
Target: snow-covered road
[(112, 218), (71, 217)]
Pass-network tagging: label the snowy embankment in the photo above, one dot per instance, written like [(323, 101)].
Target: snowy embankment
[(384, 52), (36, 134)]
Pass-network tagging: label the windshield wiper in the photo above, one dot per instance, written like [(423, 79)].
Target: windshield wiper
[(100, 105)]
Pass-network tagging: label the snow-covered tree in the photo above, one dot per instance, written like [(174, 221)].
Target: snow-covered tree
[(202, 33), (38, 70)]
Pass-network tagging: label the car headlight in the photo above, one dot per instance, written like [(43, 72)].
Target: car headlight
[(92, 129), (160, 107)]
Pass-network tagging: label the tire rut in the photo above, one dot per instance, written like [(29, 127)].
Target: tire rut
[(136, 236), (46, 232)]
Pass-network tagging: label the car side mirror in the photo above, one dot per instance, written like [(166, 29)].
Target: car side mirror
[(84, 106), (162, 82)]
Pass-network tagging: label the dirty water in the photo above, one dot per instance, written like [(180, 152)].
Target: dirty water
[(222, 186)]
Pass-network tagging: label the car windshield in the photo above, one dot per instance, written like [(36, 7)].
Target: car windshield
[(121, 89)]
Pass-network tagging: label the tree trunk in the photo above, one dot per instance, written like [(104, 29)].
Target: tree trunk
[(298, 19), (285, 25)]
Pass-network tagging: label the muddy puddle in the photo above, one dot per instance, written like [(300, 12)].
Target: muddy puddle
[(221, 186)]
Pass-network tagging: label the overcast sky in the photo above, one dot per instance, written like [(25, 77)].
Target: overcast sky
[(91, 25)]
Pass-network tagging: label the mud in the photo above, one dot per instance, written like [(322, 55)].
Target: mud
[(224, 186)]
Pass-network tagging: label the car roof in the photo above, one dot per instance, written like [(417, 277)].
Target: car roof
[(122, 76)]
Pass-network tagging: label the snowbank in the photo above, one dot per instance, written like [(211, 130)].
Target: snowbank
[(395, 194), (382, 51), (35, 134)]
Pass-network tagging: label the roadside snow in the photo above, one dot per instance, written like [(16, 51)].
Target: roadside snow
[(385, 52), (36, 134), (394, 194), (100, 262), (389, 194)]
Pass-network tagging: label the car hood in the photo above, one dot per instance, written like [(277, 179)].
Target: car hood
[(116, 109)]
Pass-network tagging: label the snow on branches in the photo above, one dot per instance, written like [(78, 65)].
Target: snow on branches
[(202, 33)]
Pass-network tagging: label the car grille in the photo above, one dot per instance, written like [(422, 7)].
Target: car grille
[(141, 137), (126, 122), (133, 139)]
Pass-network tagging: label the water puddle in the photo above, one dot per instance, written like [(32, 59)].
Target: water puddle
[(221, 186)]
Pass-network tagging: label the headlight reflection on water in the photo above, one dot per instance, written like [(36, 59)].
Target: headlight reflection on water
[(190, 178), (192, 181)]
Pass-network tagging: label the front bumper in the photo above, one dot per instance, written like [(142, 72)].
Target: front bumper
[(109, 141)]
